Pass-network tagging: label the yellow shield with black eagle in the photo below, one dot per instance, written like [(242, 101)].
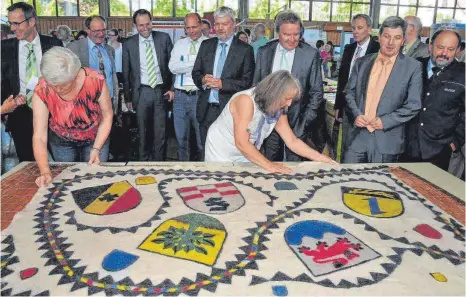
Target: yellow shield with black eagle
[(373, 203)]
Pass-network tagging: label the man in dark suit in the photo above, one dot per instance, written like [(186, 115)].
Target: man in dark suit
[(223, 67), (148, 83), (306, 116), (20, 73), (364, 45), (383, 94), (438, 130)]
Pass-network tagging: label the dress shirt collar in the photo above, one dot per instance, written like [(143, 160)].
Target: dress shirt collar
[(91, 44), (143, 40), (365, 45), (199, 40), (228, 42), (381, 57), (280, 48), (35, 41)]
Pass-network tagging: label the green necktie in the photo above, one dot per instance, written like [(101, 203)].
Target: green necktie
[(31, 71), (192, 50), (150, 65), (284, 61)]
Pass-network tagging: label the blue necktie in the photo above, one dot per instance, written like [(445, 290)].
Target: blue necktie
[(220, 64)]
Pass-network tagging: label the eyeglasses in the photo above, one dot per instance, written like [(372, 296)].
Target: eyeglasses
[(98, 31), (15, 24)]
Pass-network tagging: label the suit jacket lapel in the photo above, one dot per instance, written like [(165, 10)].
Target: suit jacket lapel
[(413, 47), (296, 68), (15, 62), (85, 53), (392, 78), (210, 61), (135, 59), (231, 55), (366, 73), (270, 57), (159, 52), (371, 48)]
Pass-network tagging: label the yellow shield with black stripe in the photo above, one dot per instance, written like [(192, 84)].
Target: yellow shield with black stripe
[(373, 203)]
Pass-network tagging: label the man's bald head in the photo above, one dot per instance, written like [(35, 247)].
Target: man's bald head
[(192, 25)]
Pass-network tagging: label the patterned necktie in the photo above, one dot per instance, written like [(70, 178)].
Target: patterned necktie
[(192, 50), (284, 60), (220, 64), (358, 52), (31, 71), (101, 61), (150, 65)]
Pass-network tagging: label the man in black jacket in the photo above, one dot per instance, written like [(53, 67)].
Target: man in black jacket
[(305, 116), (223, 67), (438, 130), (20, 74), (364, 44)]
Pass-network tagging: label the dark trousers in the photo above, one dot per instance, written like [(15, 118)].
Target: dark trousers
[(151, 113), (20, 126), (275, 150), (441, 159), (364, 149), (212, 113)]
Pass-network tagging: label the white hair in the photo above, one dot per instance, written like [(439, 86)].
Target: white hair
[(59, 65), (63, 32), (224, 11)]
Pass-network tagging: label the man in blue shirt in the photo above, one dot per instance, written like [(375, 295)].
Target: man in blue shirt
[(96, 54)]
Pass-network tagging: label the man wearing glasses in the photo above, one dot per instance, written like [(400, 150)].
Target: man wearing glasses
[(21, 57), (94, 53)]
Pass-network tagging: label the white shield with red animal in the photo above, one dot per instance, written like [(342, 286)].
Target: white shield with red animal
[(216, 198), (325, 248)]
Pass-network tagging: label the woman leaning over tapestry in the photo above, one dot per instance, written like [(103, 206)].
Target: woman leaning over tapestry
[(78, 102), (250, 116)]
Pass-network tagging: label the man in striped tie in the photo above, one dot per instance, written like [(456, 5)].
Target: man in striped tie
[(21, 57), (148, 84)]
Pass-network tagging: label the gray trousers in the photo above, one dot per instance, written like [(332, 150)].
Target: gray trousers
[(151, 113), (363, 149)]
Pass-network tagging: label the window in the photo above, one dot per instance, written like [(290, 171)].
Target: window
[(444, 14), (276, 6), (406, 10), (321, 11), (67, 7), (341, 11), (426, 14), (184, 7), (206, 6), (386, 11), (91, 7), (117, 8), (46, 8), (360, 8), (162, 8), (301, 8), (258, 9), (233, 4), (140, 4)]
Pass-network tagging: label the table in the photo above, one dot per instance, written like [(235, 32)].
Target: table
[(230, 229)]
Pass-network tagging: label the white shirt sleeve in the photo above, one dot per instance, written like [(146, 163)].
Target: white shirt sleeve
[(179, 61)]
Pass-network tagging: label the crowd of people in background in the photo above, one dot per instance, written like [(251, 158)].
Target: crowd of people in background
[(233, 96)]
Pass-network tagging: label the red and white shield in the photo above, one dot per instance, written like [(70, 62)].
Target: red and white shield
[(214, 199)]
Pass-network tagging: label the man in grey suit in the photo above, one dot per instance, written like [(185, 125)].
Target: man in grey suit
[(383, 94), (413, 46), (148, 84), (96, 54), (307, 115)]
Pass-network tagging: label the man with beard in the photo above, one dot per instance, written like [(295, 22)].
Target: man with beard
[(438, 130), (148, 84)]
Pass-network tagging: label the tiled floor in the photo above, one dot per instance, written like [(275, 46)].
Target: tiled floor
[(19, 188)]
